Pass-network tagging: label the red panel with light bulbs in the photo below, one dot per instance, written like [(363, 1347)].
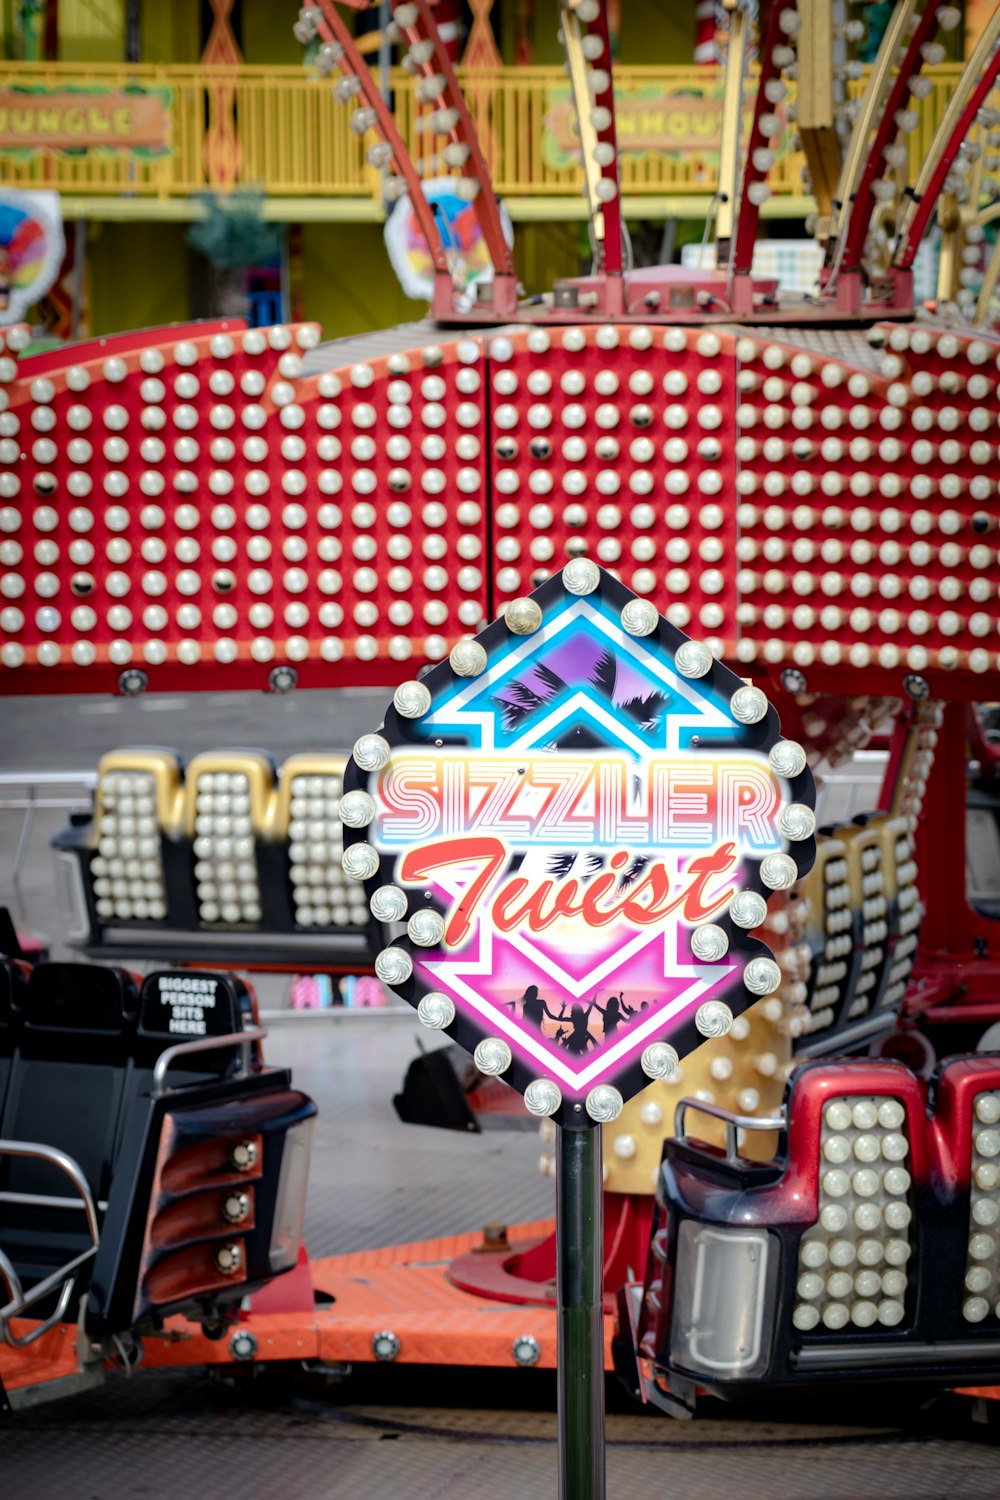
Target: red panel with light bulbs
[(879, 506), (199, 509), (618, 443)]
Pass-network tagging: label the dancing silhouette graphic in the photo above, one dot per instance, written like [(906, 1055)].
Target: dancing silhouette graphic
[(578, 1037), (533, 1008)]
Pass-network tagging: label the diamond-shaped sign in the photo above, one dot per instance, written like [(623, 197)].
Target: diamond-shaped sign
[(579, 817)]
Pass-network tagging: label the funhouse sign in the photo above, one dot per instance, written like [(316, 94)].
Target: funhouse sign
[(579, 818)]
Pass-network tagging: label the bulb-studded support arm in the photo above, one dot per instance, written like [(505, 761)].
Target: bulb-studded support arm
[(440, 86), (848, 249), (822, 75), (959, 218), (974, 88), (990, 277), (732, 121), (873, 114), (340, 51), (776, 53), (588, 56)]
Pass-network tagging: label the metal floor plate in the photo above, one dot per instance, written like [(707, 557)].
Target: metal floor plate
[(168, 1435), (425, 1469)]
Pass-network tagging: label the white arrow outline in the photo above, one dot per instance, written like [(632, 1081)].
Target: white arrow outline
[(704, 979), (454, 710)]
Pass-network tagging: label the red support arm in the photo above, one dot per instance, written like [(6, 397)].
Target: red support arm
[(861, 210), (985, 751), (749, 213), (898, 741), (914, 231), (464, 133), (332, 29)]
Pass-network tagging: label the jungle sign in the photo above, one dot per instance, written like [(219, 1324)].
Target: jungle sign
[(579, 817), (134, 120)]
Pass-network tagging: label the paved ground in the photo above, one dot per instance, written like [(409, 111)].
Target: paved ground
[(376, 1181), (67, 733), (409, 1435)]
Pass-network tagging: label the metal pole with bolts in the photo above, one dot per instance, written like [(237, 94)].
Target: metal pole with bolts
[(579, 1285)]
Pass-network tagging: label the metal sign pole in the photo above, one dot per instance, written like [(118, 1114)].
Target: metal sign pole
[(466, 963), (579, 1283)]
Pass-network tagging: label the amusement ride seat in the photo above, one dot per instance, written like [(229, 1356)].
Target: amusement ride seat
[(12, 981), (61, 1116)]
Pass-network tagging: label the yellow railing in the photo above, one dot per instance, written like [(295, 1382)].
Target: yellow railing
[(279, 129)]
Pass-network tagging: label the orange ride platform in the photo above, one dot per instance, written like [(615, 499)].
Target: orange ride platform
[(327, 1313), (409, 1291)]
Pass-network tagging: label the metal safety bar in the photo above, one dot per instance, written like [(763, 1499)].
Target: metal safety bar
[(19, 1300), (87, 779), (11, 1278), (732, 1122), (33, 782), (207, 1044), (48, 1200)]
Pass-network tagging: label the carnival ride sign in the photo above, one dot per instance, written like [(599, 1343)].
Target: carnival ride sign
[(579, 817)]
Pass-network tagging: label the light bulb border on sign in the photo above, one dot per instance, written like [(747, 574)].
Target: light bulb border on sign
[(753, 726)]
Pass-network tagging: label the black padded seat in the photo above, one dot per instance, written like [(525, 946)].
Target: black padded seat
[(67, 1089), (13, 977)]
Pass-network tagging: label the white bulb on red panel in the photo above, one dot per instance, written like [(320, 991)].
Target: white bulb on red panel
[(643, 581), (641, 383), (224, 616), (78, 378), (80, 419), (363, 416), (572, 382), (120, 653)]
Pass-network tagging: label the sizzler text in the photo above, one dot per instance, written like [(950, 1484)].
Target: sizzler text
[(581, 801)]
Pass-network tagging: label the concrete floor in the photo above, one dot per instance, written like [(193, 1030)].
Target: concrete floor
[(411, 1435)]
